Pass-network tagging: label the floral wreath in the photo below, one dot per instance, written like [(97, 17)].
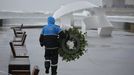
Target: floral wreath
[(73, 47)]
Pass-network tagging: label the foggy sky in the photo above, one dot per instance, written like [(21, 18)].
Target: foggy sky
[(37, 5)]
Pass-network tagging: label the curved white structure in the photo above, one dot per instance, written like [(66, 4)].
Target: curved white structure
[(66, 16), (72, 7)]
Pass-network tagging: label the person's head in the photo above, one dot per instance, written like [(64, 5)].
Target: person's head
[(51, 20)]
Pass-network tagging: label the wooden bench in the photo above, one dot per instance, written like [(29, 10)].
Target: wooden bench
[(35, 71), (21, 43), (19, 28), (17, 33), (19, 64), (19, 39), (18, 52), (20, 60)]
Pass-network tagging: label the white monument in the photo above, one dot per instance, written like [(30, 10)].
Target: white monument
[(90, 16)]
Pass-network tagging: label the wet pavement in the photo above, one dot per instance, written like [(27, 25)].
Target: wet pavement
[(105, 56)]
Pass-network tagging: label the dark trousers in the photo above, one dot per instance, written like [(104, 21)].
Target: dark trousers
[(51, 59)]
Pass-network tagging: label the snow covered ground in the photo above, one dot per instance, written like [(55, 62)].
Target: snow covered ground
[(105, 56)]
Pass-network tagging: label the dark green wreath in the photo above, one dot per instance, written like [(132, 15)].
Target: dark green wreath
[(79, 45)]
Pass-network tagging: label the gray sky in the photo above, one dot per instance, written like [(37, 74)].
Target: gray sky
[(37, 5)]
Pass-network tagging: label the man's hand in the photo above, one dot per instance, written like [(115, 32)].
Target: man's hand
[(41, 45), (41, 39)]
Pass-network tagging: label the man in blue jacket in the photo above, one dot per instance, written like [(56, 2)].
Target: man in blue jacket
[(49, 38)]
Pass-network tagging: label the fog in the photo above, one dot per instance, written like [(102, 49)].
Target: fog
[(37, 5)]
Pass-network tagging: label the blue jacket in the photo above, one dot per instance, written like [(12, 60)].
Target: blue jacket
[(51, 28), (49, 33)]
